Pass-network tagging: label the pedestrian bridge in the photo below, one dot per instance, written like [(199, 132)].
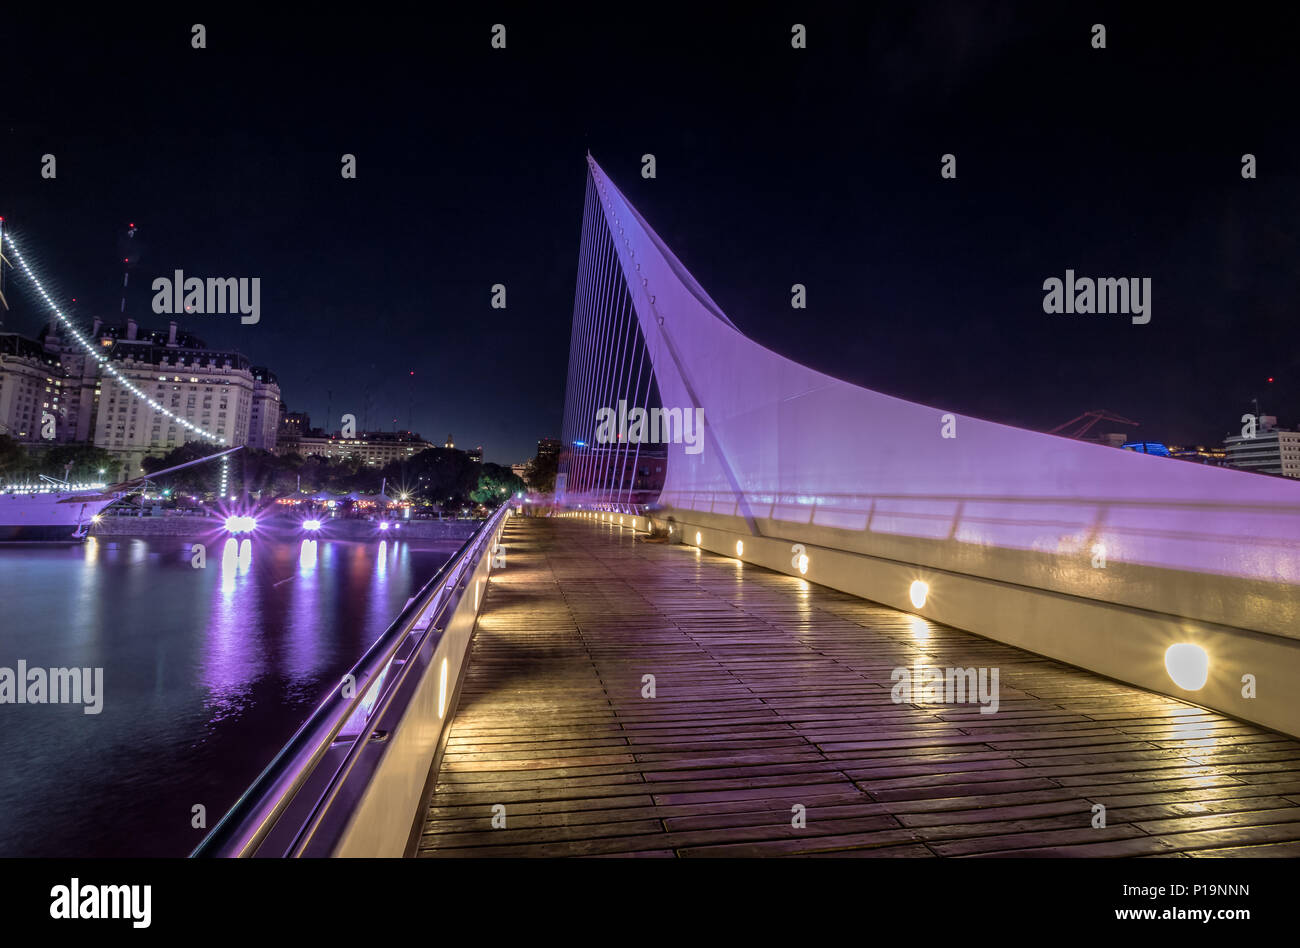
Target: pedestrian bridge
[(772, 646), (775, 726), (773, 694)]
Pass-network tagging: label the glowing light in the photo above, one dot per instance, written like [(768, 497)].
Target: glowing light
[(383, 525), (442, 689), (740, 548), (918, 592), (240, 524), (311, 524), (96, 518), (803, 564), (697, 539), (1188, 665)]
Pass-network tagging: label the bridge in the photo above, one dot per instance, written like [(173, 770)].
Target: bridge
[(774, 613)]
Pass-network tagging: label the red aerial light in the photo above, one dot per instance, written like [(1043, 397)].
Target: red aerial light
[(1270, 378)]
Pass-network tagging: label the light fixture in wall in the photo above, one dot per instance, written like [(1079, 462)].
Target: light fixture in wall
[(442, 690), (918, 592), (1188, 665)]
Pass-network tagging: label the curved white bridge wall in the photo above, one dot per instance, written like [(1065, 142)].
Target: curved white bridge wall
[(1003, 523)]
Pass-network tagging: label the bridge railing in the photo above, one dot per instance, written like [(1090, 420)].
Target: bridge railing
[(351, 753)]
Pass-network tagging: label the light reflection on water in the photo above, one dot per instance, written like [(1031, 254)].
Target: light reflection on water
[(207, 672)]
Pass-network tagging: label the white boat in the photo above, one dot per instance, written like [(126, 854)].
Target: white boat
[(62, 512)]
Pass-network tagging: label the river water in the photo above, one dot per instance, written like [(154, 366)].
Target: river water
[(206, 673)]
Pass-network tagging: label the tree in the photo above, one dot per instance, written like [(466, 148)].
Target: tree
[(201, 478), (13, 460), (541, 473), (85, 459), (495, 485), (443, 475)]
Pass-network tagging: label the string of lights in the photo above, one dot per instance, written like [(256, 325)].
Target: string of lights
[(91, 350)]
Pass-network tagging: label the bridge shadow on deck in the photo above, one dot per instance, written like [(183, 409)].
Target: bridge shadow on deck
[(772, 693)]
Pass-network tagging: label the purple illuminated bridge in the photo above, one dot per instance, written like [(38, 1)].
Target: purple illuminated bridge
[(773, 613)]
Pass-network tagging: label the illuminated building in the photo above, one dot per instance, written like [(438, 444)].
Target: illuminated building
[(1271, 451)]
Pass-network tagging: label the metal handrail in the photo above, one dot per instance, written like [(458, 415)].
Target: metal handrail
[(246, 824), (392, 687)]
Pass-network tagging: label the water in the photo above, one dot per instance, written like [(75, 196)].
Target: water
[(207, 672)]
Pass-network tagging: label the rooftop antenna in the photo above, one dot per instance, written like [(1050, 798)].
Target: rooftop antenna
[(126, 273), (3, 261)]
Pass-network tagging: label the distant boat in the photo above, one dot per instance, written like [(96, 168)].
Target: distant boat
[(66, 513)]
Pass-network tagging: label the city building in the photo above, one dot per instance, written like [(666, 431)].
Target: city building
[(548, 447), (476, 454), (31, 386), (637, 475), (81, 384), (52, 391), (210, 388), (294, 424), (1272, 450), (374, 448), (520, 471), (264, 416), (1199, 454)]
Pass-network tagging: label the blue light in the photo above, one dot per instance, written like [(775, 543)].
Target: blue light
[(1147, 447)]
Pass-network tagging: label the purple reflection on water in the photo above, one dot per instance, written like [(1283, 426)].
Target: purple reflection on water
[(207, 672)]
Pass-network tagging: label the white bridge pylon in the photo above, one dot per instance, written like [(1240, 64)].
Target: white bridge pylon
[(862, 479)]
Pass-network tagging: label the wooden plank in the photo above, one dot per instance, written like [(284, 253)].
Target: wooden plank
[(773, 731)]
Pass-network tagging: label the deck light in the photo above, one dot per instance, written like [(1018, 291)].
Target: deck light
[(918, 591), (1188, 665)]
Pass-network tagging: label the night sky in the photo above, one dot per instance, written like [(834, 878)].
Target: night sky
[(775, 166)]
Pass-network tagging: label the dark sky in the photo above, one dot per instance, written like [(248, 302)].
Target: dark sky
[(775, 166)]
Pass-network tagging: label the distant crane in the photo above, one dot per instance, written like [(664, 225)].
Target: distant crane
[(1080, 426)]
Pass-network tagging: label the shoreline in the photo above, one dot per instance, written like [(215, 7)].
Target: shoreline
[(340, 529)]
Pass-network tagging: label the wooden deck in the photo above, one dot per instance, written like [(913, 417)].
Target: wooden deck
[(772, 692)]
